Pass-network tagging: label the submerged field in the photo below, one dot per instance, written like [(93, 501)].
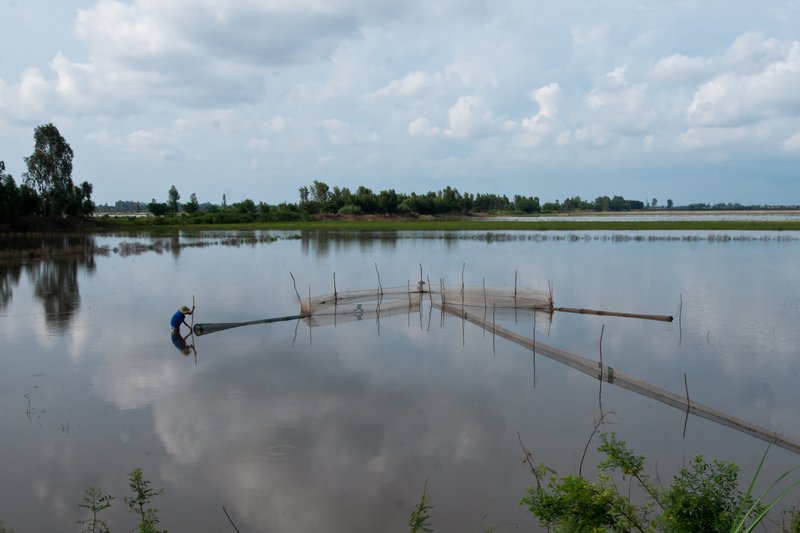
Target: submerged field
[(471, 224), (357, 415)]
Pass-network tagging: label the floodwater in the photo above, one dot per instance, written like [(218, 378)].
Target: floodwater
[(340, 426), (662, 216)]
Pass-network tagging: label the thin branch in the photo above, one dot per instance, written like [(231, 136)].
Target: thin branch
[(528, 459), (230, 520), (294, 282)]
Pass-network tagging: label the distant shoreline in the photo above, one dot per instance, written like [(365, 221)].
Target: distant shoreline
[(617, 221)]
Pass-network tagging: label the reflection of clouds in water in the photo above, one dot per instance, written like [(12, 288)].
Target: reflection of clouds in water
[(356, 422), (348, 427)]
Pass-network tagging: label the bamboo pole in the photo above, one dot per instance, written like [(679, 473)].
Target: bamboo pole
[(661, 318), (631, 383), (213, 327)]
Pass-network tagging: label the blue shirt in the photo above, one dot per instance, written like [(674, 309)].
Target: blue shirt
[(177, 319)]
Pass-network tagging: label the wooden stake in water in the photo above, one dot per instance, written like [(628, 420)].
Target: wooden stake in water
[(600, 393), (494, 308), (380, 288), (515, 285), (533, 348), (294, 282), (688, 404)]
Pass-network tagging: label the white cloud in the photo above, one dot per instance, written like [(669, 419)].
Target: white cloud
[(421, 127), (342, 133), (731, 99), (712, 138), (29, 98), (410, 85), (678, 68), (538, 128), (216, 84), (158, 143), (467, 118), (792, 144), (276, 124), (547, 98)]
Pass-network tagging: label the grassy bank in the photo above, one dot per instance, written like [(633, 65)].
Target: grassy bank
[(468, 224)]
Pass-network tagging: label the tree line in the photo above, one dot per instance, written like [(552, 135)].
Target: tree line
[(321, 199), (47, 188)]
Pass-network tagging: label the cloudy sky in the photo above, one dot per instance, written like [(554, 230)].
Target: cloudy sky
[(697, 101)]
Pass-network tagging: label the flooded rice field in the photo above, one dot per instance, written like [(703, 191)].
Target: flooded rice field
[(337, 425)]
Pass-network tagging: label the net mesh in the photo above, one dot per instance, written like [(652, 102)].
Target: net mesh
[(384, 298)]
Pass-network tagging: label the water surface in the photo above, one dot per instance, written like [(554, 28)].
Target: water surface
[(338, 427)]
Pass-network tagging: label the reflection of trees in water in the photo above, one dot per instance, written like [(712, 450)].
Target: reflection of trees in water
[(56, 281), (322, 242), (9, 276), (56, 285), (175, 246)]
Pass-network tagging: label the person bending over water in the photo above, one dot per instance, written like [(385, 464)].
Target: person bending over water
[(180, 318)]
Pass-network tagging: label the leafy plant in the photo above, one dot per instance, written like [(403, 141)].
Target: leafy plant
[(96, 501), (702, 497), (143, 497), (791, 520), (757, 510), (419, 521)]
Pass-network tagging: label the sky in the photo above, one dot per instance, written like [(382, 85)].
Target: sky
[(694, 101)]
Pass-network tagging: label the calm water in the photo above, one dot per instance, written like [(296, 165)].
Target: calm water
[(664, 216), (339, 427)]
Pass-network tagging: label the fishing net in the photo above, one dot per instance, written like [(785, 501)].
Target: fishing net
[(391, 298)]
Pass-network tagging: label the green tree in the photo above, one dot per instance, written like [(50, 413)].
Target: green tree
[(9, 195), (703, 496), (602, 203), (158, 209), (50, 170), (321, 192), (140, 503), (174, 196), (669, 203), (618, 203), (303, 195), (80, 200), (246, 207), (191, 206), (96, 501)]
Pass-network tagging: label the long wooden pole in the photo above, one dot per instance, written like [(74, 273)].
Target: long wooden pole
[(213, 327), (662, 318), (631, 383)]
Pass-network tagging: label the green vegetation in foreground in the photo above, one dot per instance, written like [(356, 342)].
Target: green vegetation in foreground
[(460, 224), (703, 496)]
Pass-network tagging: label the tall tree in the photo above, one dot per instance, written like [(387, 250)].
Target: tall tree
[(50, 169), (320, 192), (192, 205), (173, 199), (8, 194)]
